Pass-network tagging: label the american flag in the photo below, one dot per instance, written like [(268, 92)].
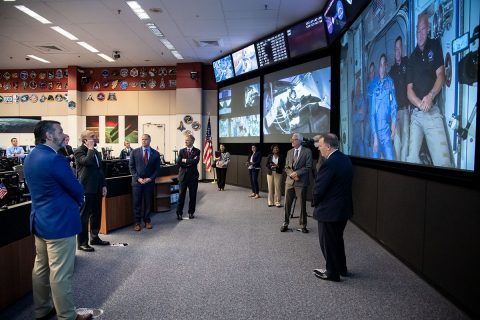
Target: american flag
[(3, 190), (207, 147)]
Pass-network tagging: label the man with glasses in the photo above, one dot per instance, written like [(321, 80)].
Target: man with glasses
[(297, 167)]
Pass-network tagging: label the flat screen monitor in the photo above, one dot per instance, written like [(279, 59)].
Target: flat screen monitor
[(307, 36), (297, 100), (239, 112), (272, 49), (245, 60), (335, 18), (389, 109), (223, 68)]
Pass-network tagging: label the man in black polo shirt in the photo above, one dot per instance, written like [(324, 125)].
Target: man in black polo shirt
[(425, 79), (398, 72)]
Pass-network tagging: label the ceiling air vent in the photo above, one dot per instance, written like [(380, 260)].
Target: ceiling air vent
[(209, 43), (50, 48)]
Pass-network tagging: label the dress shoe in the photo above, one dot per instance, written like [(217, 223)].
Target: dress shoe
[(49, 315), (252, 195), (284, 229), (86, 248), (84, 316), (99, 242), (270, 205), (303, 230), (343, 273), (219, 189), (278, 205), (323, 274), (137, 227), (257, 196), (191, 216), (148, 225), (179, 217)]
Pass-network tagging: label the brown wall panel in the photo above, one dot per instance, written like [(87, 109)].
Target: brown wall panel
[(365, 198), (401, 215), (243, 174), (452, 241), (232, 171)]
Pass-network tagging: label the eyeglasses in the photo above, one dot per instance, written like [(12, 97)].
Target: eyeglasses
[(293, 139)]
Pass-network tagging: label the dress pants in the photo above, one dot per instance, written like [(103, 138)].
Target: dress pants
[(221, 176), (52, 273), (192, 186), (91, 212), (142, 195), (274, 182), (301, 194), (254, 180), (330, 235)]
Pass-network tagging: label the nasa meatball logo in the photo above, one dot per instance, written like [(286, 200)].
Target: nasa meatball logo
[(430, 56)]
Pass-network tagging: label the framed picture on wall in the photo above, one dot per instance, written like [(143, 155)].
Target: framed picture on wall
[(111, 129), (131, 129)]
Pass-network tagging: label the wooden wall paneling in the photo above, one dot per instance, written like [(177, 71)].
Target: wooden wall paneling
[(262, 179), (127, 103), (35, 109), (232, 171), (401, 216), (452, 241), (243, 174), (93, 108), (154, 102), (365, 189)]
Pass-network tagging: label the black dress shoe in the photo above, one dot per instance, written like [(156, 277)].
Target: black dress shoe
[(179, 217), (284, 229), (49, 315), (86, 248), (324, 275), (191, 216), (345, 274), (99, 242), (305, 230)]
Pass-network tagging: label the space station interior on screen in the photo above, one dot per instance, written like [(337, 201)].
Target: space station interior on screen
[(300, 103), (391, 107)]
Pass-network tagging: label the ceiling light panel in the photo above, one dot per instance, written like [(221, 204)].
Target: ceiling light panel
[(64, 33), (37, 58), (138, 10), (88, 47), (33, 14), (104, 56), (177, 55), (154, 29), (167, 44)]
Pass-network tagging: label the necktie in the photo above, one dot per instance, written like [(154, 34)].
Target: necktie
[(189, 152), (145, 157), (295, 156)]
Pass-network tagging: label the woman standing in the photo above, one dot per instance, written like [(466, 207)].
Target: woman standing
[(221, 164), (254, 159), (275, 165)]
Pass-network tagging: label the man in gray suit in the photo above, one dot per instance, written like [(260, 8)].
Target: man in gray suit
[(297, 167)]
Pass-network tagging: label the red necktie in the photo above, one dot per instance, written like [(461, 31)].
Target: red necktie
[(145, 157)]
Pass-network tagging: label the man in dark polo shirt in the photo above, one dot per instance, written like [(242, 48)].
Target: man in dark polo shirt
[(398, 72), (425, 79)]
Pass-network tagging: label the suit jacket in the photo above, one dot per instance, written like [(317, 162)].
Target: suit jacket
[(138, 169), (56, 194), (89, 171), (302, 167), (188, 171), (66, 152), (332, 193), (280, 167), (125, 153), (257, 159)]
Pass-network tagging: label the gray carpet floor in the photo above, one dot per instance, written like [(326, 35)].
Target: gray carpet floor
[(232, 262)]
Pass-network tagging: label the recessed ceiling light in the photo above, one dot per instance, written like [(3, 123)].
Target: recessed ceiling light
[(88, 47), (33, 14), (154, 29), (167, 44), (64, 33), (138, 10), (104, 56), (37, 58), (177, 55)]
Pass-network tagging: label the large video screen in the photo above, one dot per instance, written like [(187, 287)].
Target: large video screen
[(272, 50), (297, 100), (239, 112), (335, 18), (307, 36), (245, 60), (223, 68), (409, 75)]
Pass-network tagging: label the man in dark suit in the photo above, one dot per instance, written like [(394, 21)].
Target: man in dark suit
[(67, 151), (91, 176), (144, 165), (54, 221), (125, 153), (332, 196), (297, 167), (188, 159)]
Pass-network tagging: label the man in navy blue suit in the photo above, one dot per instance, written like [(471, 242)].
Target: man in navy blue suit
[(332, 199), (54, 221), (188, 159), (144, 165)]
